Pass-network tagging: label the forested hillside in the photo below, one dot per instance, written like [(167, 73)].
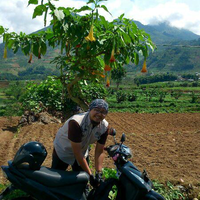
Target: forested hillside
[(177, 57), (177, 51)]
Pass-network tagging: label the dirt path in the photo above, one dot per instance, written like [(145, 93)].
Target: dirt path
[(166, 145)]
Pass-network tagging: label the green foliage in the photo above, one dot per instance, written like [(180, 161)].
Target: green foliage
[(190, 76), (118, 74), (132, 97), (168, 191), (47, 94), (109, 173), (156, 98), (176, 94), (87, 43), (120, 96), (8, 76), (12, 105), (35, 73), (194, 97), (154, 78), (14, 194), (93, 91)]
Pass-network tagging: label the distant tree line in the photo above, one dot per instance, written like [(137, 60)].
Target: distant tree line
[(8, 76), (190, 76), (155, 78), (29, 74)]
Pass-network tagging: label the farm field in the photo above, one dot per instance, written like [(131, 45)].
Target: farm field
[(166, 145)]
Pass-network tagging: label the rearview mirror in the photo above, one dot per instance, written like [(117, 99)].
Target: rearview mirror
[(112, 132), (123, 138)]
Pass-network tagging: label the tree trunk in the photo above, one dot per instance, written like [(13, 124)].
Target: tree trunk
[(77, 100), (117, 85)]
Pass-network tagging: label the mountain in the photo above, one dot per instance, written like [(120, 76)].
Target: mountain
[(177, 51), (164, 33), (178, 57)]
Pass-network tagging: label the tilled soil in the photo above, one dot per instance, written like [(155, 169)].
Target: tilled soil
[(166, 145)]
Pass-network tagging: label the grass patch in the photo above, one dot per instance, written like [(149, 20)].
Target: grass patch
[(14, 194)]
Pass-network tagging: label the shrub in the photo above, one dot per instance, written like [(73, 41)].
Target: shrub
[(94, 91), (49, 94), (46, 94), (121, 96), (132, 97), (168, 191), (195, 84)]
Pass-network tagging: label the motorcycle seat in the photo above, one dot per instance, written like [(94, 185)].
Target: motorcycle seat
[(54, 178)]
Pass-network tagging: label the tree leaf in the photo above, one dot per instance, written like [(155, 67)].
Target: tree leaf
[(38, 11), (33, 2), (136, 58), (127, 60), (84, 8), (121, 16), (90, 1), (126, 37), (26, 49), (106, 9), (15, 47), (10, 43), (145, 51), (35, 49), (1, 30), (43, 48)]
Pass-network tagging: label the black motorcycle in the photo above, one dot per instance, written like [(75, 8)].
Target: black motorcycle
[(131, 184), (26, 173)]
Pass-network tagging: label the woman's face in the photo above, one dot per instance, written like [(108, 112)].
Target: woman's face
[(98, 114)]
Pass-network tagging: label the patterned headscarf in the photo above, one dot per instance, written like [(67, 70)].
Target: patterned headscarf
[(98, 103)]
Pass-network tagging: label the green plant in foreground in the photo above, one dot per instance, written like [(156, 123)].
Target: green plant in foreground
[(168, 191), (14, 194), (109, 173)]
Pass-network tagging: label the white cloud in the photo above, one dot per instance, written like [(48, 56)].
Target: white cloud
[(15, 15), (178, 14)]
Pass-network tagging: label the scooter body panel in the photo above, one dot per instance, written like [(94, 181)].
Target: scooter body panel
[(135, 177), (133, 186), (128, 190), (42, 192)]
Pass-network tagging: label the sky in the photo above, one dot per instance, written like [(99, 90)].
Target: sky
[(15, 15)]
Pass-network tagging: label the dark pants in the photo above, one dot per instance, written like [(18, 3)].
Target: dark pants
[(57, 163)]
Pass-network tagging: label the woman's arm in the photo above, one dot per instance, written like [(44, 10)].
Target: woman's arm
[(76, 147), (99, 157)]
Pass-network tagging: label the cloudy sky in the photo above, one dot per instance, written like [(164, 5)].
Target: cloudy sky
[(15, 15)]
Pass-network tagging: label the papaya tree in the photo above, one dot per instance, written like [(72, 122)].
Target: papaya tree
[(90, 46)]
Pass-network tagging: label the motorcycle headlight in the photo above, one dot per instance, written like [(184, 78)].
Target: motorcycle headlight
[(126, 151), (113, 150)]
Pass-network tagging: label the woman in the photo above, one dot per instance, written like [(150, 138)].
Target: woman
[(71, 145)]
